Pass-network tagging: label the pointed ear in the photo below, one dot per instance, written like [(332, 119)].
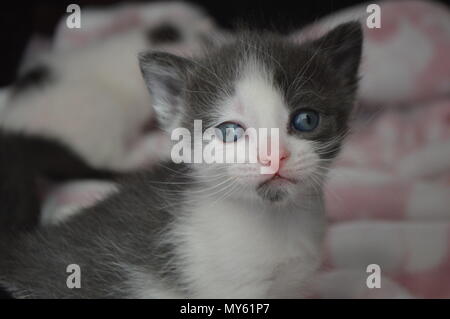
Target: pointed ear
[(343, 45), (165, 76)]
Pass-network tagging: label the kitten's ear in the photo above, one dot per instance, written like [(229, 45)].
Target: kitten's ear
[(343, 45), (165, 76)]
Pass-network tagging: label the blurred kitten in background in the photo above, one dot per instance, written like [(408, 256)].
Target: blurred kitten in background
[(81, 110)]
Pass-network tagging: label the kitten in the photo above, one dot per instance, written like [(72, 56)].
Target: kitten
[(212, 230)]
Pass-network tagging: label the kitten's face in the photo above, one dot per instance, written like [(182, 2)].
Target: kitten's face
[(306, 92)]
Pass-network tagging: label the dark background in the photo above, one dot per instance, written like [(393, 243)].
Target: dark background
[(19, 20)]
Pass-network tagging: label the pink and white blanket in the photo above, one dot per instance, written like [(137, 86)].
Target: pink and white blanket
[(388, 197)]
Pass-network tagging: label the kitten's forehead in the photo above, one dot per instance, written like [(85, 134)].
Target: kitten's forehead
[(256, 99), (242, 78)]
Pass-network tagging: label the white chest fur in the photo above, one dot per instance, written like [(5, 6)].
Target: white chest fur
[(240, 250)]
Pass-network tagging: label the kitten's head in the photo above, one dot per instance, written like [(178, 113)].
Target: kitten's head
[(306, 91)]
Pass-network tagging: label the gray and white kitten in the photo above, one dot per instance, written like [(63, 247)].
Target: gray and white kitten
[(212, 230)]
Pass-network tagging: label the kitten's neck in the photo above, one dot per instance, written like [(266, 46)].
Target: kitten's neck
[(248, 241)]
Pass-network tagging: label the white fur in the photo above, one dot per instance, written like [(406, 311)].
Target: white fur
[(143, 285), (237, 249)]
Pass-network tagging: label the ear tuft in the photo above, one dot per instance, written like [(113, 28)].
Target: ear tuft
[(165, 76), (343, 45)]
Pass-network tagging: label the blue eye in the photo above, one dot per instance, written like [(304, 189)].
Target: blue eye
[(305, 121), (230, 131)]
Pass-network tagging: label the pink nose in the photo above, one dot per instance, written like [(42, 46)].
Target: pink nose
[(283, 156)]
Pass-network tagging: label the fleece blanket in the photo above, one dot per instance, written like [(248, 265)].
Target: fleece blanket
[(388, 196)]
